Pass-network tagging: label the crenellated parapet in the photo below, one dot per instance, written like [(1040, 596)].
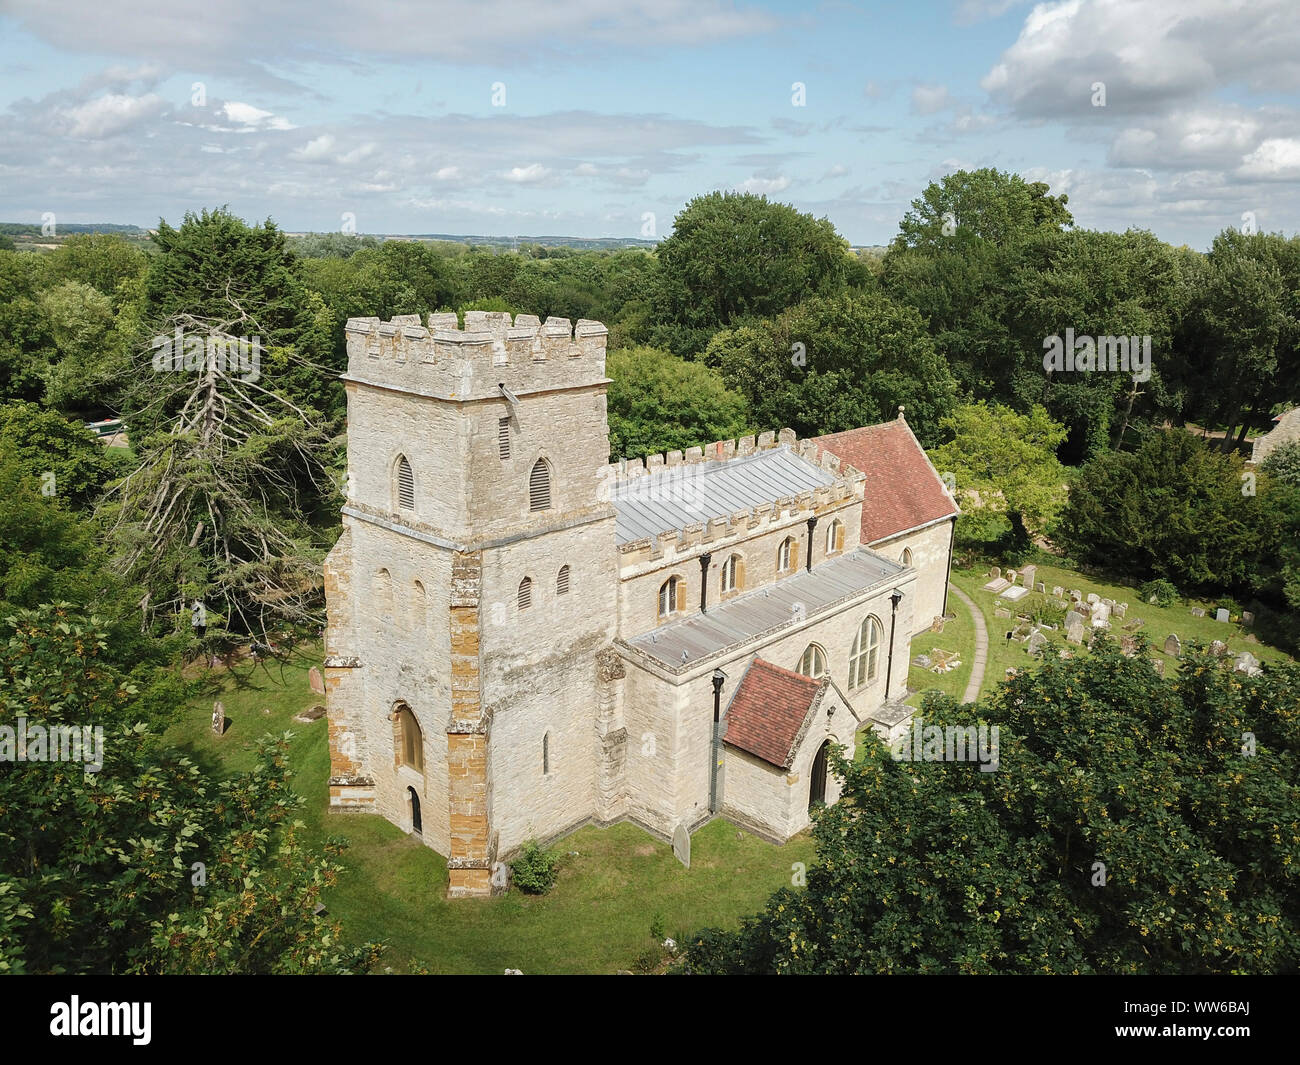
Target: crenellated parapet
[(441, 359)]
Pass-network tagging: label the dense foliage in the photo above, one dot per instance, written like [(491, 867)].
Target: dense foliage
[(1133, 825)]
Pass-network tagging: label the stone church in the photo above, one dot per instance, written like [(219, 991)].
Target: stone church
[(523, 638)]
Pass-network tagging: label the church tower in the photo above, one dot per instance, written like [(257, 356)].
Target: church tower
[(474, 583)]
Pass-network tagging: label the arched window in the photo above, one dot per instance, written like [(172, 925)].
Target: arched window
[(410, 749), (733, 575), (813, 662), (405, 484), (539, 486), (787, 555), (525, 593), (546, 754), (383, 589), (671, 596), (835, 537), (419, 609), (866, 653), (906, 558), (562, 581)]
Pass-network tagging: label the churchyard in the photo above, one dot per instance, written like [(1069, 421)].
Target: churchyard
[(613, 884)]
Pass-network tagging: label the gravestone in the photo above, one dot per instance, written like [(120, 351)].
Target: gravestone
[(1076, 595), (937, 624), (1058, 591), (1221, 615), (997, 584), (1036, 643), (1119, 609), (1041, 588), (218, 717), (1218, 648), (1159, 664), (922, 660), (1011, 576), (995, 572), (1015, 593), (1246, 663), (1030, 575), (1173, 645), (317, 684), (1247, 618), (1128, 646), (1001, 612), (682, 844), (1133, 625), (1197, 612), (1100, 615), (1093, 597), (1074, 627)]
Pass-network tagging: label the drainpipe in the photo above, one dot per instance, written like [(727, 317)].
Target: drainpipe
[(718, 679), (895, 598), (704, 581), (812, 524), (952, 542)]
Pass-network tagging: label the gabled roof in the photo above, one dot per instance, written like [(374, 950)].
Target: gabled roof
[(673, 497), (902, 490), (769, 710)]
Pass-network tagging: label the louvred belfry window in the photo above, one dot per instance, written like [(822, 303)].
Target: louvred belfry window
[(539, 486), (405, 484)]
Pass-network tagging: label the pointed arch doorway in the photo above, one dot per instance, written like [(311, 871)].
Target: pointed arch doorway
[(416, 825), (817, 784)]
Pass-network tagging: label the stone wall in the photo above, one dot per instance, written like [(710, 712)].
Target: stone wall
[(929, 547)]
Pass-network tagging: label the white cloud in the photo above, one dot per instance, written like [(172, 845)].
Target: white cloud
[(1277, 158), (316, 148), (838, 170), (527, 175), (109, 114), (765, 186)]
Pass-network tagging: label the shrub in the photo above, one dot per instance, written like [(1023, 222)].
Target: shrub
[(1160, 592), (536, 869)]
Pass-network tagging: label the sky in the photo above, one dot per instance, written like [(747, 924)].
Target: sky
[(597, 118)]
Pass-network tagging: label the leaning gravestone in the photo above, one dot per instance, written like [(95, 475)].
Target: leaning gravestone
[(1173, 645), (1040, 588), (1246, 663), (682, 845), (218, 717), (1036, 643), (1220, 615), (317, 684)]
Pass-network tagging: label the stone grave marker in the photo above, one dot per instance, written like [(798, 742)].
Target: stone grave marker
[(682, 844), (1247, 663), (1173, 645), (1197, 612), (1058, 591), (1036, 643), (1218, 648), (1030, 575), (1001, 612), (1093, 597), (1074, 627), (1221, 615), (218, 717), (1041, 588), (1247, 618), (317, 684)]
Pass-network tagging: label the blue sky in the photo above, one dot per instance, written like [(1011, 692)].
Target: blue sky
[(613, 112)]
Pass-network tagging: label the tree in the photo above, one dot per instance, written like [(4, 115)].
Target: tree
[(1126, 829), (837, 362), (659, 403), (1175, 508), (999, 208), (1005, 468), (1283, 463), (230, 493), (61, 458), (1241, 338), (97, 865), (733, 256)]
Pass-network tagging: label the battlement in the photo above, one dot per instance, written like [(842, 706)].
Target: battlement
[(440, 359), (724, 450)]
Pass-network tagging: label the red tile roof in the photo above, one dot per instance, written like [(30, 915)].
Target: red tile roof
[(902, 491), (767, 713)]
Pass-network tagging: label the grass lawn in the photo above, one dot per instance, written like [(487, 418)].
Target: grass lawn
[(958, 635), (1159, 622), (596, 919)]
